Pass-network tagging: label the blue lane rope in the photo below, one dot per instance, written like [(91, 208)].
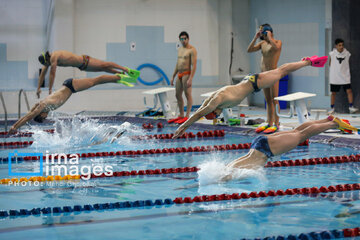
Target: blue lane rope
[(149, 65), (87, 207)]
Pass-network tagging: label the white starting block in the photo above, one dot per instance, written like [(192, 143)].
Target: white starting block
[(296, 101), (161, 94), (227, 112)]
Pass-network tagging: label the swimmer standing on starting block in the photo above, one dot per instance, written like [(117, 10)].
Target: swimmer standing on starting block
[(41, 110), (230, 96), (264, 147), (64, 58)]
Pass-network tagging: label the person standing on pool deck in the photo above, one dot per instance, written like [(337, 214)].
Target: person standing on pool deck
[(41, 110), (65, 58), (264, 147), (340, 74), (230, 96), (185, 70), (270, 49)]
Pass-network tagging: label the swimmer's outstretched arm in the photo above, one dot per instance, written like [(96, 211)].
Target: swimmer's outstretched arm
[(41, 79), (36, 110), (52, 73), (208, 106)]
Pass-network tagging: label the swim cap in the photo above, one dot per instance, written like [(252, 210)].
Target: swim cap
[(44, 58), (211, 116), (266, 28)]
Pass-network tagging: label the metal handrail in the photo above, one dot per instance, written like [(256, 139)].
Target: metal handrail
[(3, 103), (26, 101)]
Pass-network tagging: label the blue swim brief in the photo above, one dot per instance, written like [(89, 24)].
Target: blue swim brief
[(261, 144)]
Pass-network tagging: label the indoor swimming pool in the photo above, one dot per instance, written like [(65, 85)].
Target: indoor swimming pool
[(169, 189)]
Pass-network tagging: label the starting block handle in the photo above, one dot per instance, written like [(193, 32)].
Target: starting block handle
[(291, 113)]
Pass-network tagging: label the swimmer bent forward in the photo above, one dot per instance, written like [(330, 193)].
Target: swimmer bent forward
[(231, 96), (40, 110)]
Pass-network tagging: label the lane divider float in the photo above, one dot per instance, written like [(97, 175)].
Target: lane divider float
[(285, 163), (182, 200)]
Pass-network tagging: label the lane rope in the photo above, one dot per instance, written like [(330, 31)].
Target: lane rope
[(181, 200), (285, 163)]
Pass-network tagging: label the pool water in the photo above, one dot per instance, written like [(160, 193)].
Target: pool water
[(231, 219)]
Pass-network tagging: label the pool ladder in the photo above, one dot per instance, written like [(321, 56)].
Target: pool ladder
[(26, 101), (5, 111)]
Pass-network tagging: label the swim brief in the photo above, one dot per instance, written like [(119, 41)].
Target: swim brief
[(180, 75), (261, 144), (68, 83), (253, 79), (85, 62)]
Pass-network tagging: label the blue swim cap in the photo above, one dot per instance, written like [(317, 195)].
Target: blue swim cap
[(266, 28)]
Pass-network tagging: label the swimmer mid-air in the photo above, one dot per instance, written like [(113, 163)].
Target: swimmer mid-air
[(64, 58), (230, 96), (40, 110), (264, 147)]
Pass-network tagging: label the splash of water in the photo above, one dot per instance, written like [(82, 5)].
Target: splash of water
[(214, 171), (80, 132)]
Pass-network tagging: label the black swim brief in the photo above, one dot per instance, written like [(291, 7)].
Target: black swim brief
[(261, 144), (85, 62), (68, 83), (253, 79)]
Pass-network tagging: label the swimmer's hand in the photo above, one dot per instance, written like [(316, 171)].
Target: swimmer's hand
[(268, 34), (38, 91), (189, 83), (172, 81), (179, 132), (12, 131), (258, 34)]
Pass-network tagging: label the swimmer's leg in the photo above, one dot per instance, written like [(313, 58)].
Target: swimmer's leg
[(178, 94), (188, 95), (86, 83), (269, 78), (96, 65), (283, 143)]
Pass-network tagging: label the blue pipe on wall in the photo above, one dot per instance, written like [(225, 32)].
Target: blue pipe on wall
[(149, 65)]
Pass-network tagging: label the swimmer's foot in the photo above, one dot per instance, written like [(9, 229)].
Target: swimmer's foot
[(174, 119), (342, 124), (270, 130), (126, 80), (133, 73), (262, 127), (181, 121), (316, 61)]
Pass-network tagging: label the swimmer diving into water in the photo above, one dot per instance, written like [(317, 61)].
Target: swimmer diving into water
[(64, 58), (264, 147), (40, 110), (230, 96)]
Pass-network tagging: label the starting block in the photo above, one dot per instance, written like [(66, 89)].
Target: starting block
[(227, 112), (297, 103), (160, 93)]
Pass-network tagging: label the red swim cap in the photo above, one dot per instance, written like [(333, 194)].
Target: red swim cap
[(211, 116)]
